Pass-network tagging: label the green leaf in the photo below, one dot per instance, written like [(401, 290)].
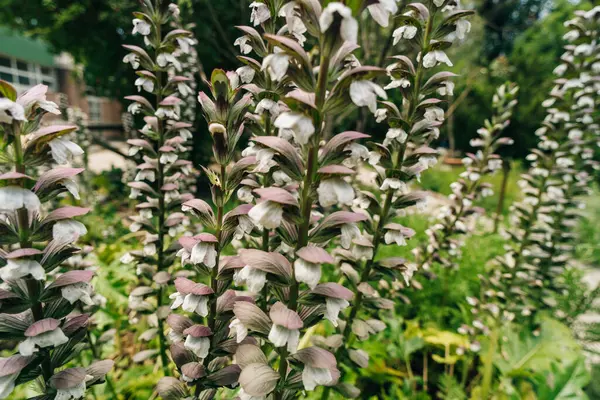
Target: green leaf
[(563, 382)]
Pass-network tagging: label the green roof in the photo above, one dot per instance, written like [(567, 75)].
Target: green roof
[(23, 48)]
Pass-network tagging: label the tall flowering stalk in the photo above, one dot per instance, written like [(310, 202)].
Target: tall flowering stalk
[(39, 295), (200, 350), (525, 280), (401, 158), (443, 246), (157, 182)]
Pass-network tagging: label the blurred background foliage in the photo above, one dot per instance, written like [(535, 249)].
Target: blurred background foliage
[(516, 40)]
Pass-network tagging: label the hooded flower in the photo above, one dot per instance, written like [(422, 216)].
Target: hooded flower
[(286, 327), (276, 64), (242, 41), (68, 231), (260, 13), (240, 330), (10, 110), (404, 32), (364, 93), (299, 125), (80, 291), (13, 198), (333, 307), (42, 334), (349, 25), (436, 57), (197, 340), (204, 251), (191, 296), (381, 11), (140, 26), (334, 191), (267, 214), (63, 150), (254, 278), (20, 268), (350, 231)]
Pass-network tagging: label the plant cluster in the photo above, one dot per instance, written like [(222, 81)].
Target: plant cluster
[(528, 277), (161, 170), (45, 305)]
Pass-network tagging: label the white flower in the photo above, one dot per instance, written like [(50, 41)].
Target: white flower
[(240, 330), (334, 191), (446, 88), (134, 108), (268, 105), (349, 232), (244, 226), (78, 291), (395, 83), (146, 83), (397, 134), (74, 393), (242, 41), (264, 160), (307, 272), (13, 198), (260, 13), (462, 28), (404, 32), (254, 278), (382, 10), (364, 93), (438, 3), (68, 231), (204, 253), (36, 96), (140, 26), (164, 59), (276, 64), (393, 183), (380, 115), (244, 194), (20, 268), (132, 59), (434, 114), (313, 377), (408, 273), (393, 236), (47, 339), (197, 345), (174, 10), (191, 303), (436, 57), (299, 125), (279, 336), (333, 307), (246, 74), (63, 150), (294, 24), (267, 214), (349, 25), (10, 110), (146, 174)]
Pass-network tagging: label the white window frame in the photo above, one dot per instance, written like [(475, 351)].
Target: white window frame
[(95, 116), (34, 73)]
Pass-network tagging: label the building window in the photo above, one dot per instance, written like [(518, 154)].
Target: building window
[(95, 108), (23, 74)]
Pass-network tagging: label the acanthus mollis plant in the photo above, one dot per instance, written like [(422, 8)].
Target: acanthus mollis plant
[(39, 294), (428, 27), (443, 246), (201, 347), (157, 182), (527, 279)]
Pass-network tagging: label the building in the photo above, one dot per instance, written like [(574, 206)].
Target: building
[(26, 62)]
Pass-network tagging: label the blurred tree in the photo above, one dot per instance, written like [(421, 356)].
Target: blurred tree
[(505, 20), (92, 31)]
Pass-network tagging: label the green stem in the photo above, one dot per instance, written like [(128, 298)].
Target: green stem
[(160, 229), (488, 364)]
